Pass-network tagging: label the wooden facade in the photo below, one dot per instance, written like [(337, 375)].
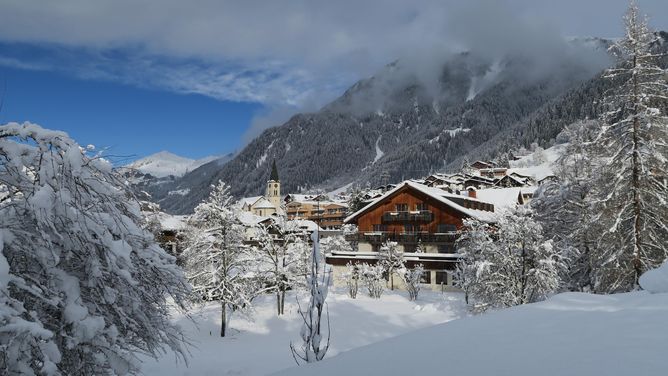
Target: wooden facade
[(423, 214)]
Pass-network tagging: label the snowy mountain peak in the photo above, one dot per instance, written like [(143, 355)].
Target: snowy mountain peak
[(164, 163)]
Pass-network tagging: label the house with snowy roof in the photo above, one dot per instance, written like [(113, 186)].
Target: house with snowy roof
[(413, 214)]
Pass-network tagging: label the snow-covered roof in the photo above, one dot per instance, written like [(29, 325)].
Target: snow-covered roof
[(303, 224), (263, 203), (249, 200), (503, 197), (435, 193), (250, 219), (172, 222)]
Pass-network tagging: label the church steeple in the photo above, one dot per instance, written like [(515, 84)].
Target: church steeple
[(274, 173), (274, 187)]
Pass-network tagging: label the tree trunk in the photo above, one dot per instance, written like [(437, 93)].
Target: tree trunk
[(635, 179), (223, 320)]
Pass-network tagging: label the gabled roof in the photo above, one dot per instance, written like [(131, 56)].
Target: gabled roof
[(435, 193), (263, 203), (249, 200), (511, 177)]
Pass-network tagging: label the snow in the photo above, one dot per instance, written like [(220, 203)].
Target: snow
[(180, 192), (656, 281), (538, 164), (263, 157), (172, 222), (503, 197), (453, 132), (379, 153), (340, 190), (569, 334), (164, 164), (261, 346)]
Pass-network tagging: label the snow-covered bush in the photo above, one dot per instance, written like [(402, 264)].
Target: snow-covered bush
[(373, 277), (412, 279), (313, 349), (218, 264), (508, 264), (352, 276), (83, 287)]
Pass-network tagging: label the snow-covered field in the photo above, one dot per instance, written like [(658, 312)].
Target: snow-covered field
[(569, 334), (262, 345)]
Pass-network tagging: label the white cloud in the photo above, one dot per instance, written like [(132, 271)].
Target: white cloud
[(282, 53)]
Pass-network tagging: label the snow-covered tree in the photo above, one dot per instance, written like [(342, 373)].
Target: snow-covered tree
[(565, 208), (83, 287), (632, 189), (352, 277), (412, 279), (313, 347), (391, 259), (283, 254), (373, 277), (335, 244), (509, 263), (218, 264)]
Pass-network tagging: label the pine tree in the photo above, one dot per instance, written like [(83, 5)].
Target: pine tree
[(565, 208), (218, 264), (83, 287), (632, 190)]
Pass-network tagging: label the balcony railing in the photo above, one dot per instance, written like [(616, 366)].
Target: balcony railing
[(403, 237), (408, 216)]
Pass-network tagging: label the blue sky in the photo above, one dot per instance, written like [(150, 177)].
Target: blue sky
[(204, 77), (129, 121)]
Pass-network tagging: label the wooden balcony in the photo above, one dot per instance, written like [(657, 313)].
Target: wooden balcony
[(403, 237), (408, 216)]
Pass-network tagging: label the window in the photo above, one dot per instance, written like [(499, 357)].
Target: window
[(411, 228), (379, 228), (426, 277), (446, 248), (444, 228), (421, 206), (410, 247), (442, 278), (401, 207)]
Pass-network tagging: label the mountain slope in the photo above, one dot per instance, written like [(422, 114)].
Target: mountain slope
[(164, 163), (400, 125)]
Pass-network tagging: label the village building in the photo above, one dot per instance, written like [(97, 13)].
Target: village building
[(319, 209), (415, 216), (270, 203)]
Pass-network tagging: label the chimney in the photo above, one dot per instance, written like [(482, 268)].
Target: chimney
[(472, 192)]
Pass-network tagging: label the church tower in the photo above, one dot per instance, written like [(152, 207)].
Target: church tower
[(274, 187)]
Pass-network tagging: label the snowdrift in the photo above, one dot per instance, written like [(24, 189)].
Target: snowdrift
[(570, 334)]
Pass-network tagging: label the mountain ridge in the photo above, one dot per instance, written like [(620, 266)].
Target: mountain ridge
[(419, 128)]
